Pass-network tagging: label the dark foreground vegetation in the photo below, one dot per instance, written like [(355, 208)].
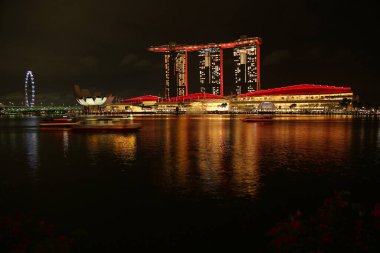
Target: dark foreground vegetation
[(342, 222)]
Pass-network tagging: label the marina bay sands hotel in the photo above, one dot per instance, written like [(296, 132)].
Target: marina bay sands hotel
[(246, 53), (244, 84)]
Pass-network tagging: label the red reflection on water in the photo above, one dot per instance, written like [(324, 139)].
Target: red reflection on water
[(223, 155)]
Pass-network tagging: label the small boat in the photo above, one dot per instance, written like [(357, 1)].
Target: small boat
[(58, 122), (258, 119), (106, 125)]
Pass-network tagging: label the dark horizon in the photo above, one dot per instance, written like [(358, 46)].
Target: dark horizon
[(102, 47)]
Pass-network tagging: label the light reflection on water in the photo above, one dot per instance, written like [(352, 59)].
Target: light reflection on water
[(309, 146), (378, 138), (65, 141), (198, 156), (218, 155), (32, 155), (124, 147), (185, 180), (121, 146), (245, 159), (227, 156)]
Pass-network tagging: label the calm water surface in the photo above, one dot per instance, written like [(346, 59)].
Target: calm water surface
[(183, 181)]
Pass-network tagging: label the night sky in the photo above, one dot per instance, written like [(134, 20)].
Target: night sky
[(101, 45)]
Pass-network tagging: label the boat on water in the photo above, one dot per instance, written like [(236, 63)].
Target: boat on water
[(106, 125), (258, 119), (58, 122)]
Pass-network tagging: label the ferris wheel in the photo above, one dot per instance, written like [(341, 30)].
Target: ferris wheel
[(29, 94)]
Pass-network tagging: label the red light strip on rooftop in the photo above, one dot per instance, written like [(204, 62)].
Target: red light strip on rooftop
[(301, 89), (140, 99), (190, 48)]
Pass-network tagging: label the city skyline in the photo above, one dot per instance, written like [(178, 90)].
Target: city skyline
[(104, 47)]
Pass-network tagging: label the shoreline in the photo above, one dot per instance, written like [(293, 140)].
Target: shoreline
[(352, 113)]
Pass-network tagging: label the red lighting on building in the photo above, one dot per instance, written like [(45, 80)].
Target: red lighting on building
[(192, 48), (300, 89), (141, 99)]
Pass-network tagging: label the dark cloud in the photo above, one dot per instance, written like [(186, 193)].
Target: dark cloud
[(276, 57), (135, 61), (128, 60), (102, 45), (89, 62)]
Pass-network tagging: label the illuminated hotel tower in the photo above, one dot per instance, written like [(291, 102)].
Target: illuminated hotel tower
[(210, 70), (246, 69), (246, 52), (175, 74)]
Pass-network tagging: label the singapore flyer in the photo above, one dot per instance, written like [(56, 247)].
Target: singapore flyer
[(29, 94)]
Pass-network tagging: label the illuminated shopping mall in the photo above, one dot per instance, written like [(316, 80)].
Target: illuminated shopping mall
[(301, 97), (294, 98)]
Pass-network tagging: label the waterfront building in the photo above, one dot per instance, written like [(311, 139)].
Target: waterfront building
[(194, 103), (246, 65), (91, 102), (144, 103), (209, 70), (246, 86), (246, 53), (295, 98), (299, 97)]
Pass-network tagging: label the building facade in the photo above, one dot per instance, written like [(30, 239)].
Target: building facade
[(296, 98), (302, 97)]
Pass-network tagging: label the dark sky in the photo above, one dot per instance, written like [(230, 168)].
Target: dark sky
[(101, 45)]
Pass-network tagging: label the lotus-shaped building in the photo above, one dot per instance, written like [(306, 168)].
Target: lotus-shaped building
[(85, 98)]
